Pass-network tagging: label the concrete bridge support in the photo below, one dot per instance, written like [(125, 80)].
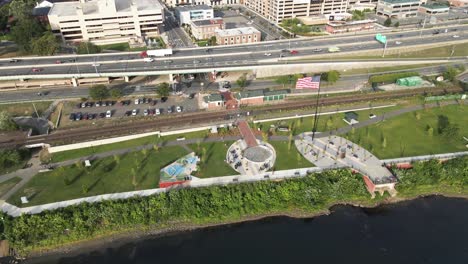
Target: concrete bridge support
[(126, 78), (75, 82)]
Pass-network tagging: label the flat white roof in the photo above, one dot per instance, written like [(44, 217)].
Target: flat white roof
[(102, 7), (237, 31)]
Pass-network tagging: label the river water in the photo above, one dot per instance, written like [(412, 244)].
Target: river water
[(426, 230)]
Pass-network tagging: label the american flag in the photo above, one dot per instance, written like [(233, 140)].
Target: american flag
[(308, 82)]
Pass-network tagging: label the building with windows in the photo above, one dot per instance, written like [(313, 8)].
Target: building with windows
[(106, 21), (277, 10), (398, 8), (238, 36), (185, 14), (434, 9), (206, 28), (173, 3)]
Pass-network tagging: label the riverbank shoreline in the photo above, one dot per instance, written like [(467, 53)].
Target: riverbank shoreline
[(138, 234)]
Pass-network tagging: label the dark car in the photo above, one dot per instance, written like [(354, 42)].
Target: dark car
[(91, 116), (102, 115), (164, 99), (78, 116), (144, 100), (78, 105), (284, 50), (128, 113), (192, 95), (14, 60), (153, 102), (71, 60), (227, 85), (72, 116), (89, 104), (169, 109), (85, 116), (209, 50)]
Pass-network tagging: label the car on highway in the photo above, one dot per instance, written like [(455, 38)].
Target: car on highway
[(209, 50), (13, 60), (456, 36), (435, 32), (294, 52), (71, 60), (317, 50), (168, 61), (398, 42), (96, 64), (284, 50), (178, 109), (196, 61), (72, 117), (134, 112), (108, 114), (148, 59), (36, 69), (58, 62), (267, 54)]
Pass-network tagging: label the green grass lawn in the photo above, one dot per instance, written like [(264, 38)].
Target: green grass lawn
[(214, 164), (288, 158), (407, 135), (105, 176), (325, 122), (7, 185), (117, 46), (25, 109), (77, 153)]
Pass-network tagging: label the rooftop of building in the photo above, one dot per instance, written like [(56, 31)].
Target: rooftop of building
[(40, 11), (206, 22), (192, 8), (400, 1), (213, 98), (250, 94), (95, 7), (276, 92), (435, 6), (350, 23), (237, 31)]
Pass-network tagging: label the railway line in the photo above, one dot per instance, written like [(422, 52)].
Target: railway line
[(201, 117)]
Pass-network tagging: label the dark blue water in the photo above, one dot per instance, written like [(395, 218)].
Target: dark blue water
[(428, 230)]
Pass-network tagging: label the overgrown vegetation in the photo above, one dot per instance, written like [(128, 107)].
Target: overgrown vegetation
[(185, 206), (13, 159), (295, 26), (391, 77), (6, 122)]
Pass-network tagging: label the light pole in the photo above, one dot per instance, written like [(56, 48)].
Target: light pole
[(385, 48), (424, 24)]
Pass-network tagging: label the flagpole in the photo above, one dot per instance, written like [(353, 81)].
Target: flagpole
[(314, 128)]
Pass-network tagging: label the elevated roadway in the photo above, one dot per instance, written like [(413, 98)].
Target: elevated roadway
[(228, 58)]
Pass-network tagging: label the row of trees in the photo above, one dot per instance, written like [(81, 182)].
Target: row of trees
[(12, 157), (330, 77), (190, 206)]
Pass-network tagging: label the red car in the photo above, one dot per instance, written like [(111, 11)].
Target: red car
[(58, 62), (294, 52), (36, 69)]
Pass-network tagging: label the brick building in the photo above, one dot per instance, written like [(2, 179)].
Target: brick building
[(336, 27), (206, 28), (237, 36)]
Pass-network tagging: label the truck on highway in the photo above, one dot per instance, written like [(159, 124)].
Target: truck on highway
[(156, 53), (333, 49)]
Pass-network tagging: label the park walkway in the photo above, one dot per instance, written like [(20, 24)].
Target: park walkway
[(27, 174)]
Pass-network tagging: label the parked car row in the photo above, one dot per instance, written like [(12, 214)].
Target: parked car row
[(85, 116), (95, 104), (154, 111)]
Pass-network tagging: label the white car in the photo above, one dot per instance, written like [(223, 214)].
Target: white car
[(158, 112), (267, 54), (250, 22), (148, 59), (178, 109), (145, 112), (134, 112), (96, 64), (108, 114), (137, 101), (456, 36), (398, 42)]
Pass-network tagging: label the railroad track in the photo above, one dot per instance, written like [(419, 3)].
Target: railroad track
[(141, 126)]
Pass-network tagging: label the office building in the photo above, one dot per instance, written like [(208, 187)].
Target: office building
[(206, 28), (237, 36), (174, 3), (185, 14), (106, 21), (398, 8)]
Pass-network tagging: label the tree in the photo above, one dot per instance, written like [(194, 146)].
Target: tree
[(450, 73), (99, 92), (48, 44), (88, 48), (283, 79), (242, 81), (21, 9), (442, 123), (388, 22), (6, 122), (163, 89), (331, 76), (397, 24), (212, 41), (24, 32), (116, 93)]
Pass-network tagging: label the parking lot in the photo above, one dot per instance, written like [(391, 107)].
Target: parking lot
[(77, 113)]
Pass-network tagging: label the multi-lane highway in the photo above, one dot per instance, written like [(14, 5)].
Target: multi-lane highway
[(226, 56)]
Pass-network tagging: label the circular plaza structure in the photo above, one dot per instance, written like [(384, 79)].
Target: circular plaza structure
[(251, 160)]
